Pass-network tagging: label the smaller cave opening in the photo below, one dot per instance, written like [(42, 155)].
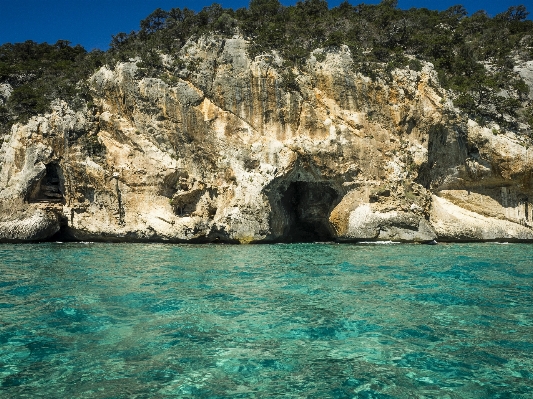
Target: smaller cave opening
[(305, 209), (49, 187), (523, 207)]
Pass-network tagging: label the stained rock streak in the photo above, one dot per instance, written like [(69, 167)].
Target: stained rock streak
[(225, 151)]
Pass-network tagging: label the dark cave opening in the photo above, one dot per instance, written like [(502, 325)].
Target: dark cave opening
[(48, 189), (305, 208)]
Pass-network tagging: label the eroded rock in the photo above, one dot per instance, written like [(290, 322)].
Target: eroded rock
[(227, 151), (5, 92)]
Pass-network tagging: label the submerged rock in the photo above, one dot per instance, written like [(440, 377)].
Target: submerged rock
[(229, 152)]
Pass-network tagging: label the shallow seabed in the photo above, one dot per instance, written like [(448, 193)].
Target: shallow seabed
[(294, 321)]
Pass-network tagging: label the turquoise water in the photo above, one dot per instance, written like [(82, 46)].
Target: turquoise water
[(294, 321)]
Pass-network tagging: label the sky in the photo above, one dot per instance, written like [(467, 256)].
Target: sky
[(92, 22)]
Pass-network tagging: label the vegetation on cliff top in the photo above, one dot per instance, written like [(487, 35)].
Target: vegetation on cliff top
[(474, 55)]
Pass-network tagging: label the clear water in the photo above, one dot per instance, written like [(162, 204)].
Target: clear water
[(293, 321)]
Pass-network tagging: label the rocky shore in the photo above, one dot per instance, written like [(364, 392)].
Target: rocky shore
[(226, 152)]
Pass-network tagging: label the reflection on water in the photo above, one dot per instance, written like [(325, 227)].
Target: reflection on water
[(295, 321)]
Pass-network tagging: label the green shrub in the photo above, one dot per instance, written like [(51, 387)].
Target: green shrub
[(459, 45), (288, 81), (415, 65)]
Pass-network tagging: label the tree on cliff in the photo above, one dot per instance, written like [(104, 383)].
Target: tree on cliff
[(474, 55), (40, 73)]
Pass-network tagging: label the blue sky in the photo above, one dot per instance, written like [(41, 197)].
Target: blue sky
[(92, 22)]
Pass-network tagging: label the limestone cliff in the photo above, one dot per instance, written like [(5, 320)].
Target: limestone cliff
[(227, 148)]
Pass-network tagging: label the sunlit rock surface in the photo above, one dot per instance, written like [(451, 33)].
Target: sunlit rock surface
[(5, 92), (226, 151)]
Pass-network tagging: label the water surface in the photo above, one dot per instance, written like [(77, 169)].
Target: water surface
[(293, 321)]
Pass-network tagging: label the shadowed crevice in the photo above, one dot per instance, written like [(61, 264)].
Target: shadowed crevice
[(49, 188), (301, 207), (308, 206)]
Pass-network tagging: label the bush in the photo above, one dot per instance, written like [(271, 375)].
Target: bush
[(459, 46), (415, 65), (288, 81)]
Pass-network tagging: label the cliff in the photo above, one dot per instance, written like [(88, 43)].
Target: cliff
[(232, 149)]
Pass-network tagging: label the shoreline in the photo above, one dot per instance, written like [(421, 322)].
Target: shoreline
[(259, 243)]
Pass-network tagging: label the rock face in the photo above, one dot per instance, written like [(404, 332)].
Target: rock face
[(5, 92), (230, 149), (37, 224)]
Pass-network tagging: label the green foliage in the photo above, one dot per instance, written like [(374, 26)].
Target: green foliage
[(150, 63), (474, 55), (415, 65), (225, 24), (527, 116), (169, 79), (40, 73), (320, 57), (288, 81)]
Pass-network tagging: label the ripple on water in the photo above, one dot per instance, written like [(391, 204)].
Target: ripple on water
[(94, 320)]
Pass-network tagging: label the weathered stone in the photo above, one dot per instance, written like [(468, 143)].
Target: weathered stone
[(525, 70), (5, 92), (224, 152), (34, 226), (453, 223)]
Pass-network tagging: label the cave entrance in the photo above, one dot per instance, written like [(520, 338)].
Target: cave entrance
[(303, 210), (48, 189)]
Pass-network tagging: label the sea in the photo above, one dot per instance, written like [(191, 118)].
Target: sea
[(318, 320)]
